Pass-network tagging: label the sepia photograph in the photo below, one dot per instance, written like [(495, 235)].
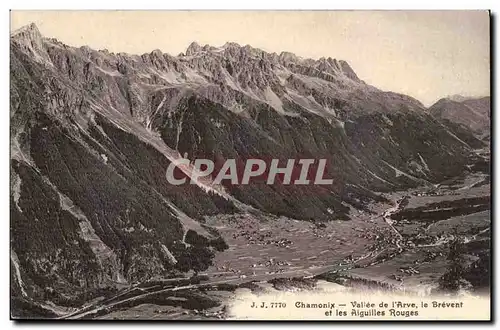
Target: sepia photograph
[(229, 165)]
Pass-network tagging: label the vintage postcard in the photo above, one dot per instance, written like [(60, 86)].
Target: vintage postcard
[(250, 165)]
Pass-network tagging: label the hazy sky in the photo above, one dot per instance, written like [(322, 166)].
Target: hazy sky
[(425, 54)]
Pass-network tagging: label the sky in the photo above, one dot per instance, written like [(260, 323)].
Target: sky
[(424, 54)]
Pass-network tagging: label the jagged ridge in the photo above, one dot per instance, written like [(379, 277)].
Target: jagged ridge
[(93, 133)]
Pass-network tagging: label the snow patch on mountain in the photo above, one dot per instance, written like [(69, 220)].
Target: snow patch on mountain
[(168, 254), (15, 262), (273, 100), (16, 190), (105, 256)]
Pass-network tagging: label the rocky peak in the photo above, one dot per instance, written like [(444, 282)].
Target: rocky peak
[(157, 53), (208, 48), (230, 44), (287, 57), (30, 40), (348, 71), (193, 48), (259, 74), (458, 98), (27, 31), (28, 34)]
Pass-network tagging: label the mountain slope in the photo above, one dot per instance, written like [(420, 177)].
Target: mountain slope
[(473, 113), (92, 134)]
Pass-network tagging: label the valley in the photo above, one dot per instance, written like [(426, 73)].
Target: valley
[(286, 254), (98, 232)]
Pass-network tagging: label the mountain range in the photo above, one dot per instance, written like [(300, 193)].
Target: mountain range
[(93, 132), (473, 113)]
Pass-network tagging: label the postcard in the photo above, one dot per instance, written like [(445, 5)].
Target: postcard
[(250, 165)]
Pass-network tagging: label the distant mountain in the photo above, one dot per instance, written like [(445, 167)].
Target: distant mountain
[(473, 113), (458, 98), (93, 132)]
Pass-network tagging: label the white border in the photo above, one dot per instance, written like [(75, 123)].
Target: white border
[(257, 4), (186, 4)]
